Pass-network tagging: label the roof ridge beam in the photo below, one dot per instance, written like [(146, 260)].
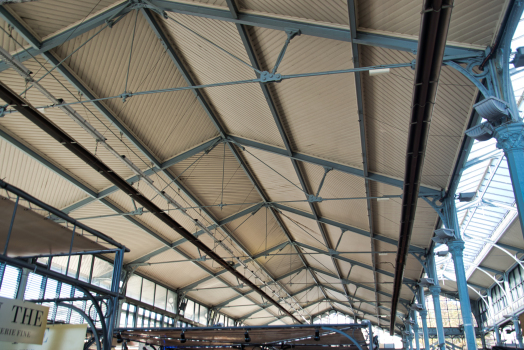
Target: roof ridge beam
[(244, 35), (311, 29)]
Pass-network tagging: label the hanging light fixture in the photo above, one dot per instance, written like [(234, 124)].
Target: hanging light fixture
[(246, 337), (317, 335), (183, 337)]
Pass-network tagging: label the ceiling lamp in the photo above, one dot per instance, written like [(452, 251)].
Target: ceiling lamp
[(426, 282), (379, 71), (492, 109), (466, 196), (443, 235), (317, 335), (246, 337), (183, 337), (416, 307), (481, 132), (518, 61)]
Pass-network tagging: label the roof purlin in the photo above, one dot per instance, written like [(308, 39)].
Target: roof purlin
[(307, 28)]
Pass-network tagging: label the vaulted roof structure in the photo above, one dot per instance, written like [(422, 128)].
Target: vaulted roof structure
[(294, 180)]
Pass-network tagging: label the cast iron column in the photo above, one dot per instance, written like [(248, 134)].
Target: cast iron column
[(497, 335), (518, 330), (510, 138), (456, 248), (435, 293), (423, 317), (415, 330)]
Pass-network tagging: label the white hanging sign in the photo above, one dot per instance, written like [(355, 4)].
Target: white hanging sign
[(22, 321)]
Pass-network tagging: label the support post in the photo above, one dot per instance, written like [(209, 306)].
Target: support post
[(114, 301), (518, 330), (23, 284), (435, 293), (415, 330), (497, 335), (423, 317), (456, 249), (510, 138)]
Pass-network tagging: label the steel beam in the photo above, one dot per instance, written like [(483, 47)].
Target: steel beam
[(242, 30), (38, 119), (362, 127), (278, 121), (211, 114), (353, 262), (113, 207), (38, 47), (424, 191), (343, 226), (329, 274), (172, 161), (312, 29)]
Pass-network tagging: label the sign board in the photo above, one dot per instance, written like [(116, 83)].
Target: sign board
[(56, 337), (22, 321)]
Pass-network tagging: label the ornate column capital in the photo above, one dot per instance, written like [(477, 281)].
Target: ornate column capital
[(456, 247), (510, 137), (434, 290)]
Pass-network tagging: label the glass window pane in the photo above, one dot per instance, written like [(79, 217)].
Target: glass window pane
[(34, 287), (85, 268), (171, 301), (102, 273), (73, 266), (134, 286), (148, 292), (58, 264), (43, 261), (190, 310), (10, 282), (203, 315), (160, 297)]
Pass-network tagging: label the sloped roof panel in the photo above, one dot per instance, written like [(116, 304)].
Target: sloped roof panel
[(473, 22), (236, 105), (48, 17), (305, 104), (103, 64), (338, 185), (217, 178), (330, 11), (18, 169)]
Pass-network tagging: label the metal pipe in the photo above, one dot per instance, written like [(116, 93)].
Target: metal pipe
[(436, 15)]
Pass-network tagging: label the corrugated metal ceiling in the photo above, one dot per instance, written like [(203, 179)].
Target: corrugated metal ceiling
[(319, 115)]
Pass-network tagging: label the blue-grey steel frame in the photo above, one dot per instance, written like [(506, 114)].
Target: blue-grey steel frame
[(113, 295)]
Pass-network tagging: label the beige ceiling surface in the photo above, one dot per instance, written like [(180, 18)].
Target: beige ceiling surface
[(319, 116)]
